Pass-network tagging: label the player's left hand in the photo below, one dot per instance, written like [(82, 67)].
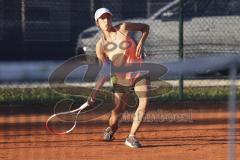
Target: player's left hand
[(139, 49)]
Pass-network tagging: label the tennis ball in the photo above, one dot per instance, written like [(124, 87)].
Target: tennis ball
[(113, 79)]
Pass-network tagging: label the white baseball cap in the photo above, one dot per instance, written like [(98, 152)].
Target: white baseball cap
[(99, 12)]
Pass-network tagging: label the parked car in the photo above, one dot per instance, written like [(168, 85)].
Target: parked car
[(210, 27)]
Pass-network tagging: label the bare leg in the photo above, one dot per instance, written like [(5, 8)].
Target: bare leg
[(117, 111), (141, 89)]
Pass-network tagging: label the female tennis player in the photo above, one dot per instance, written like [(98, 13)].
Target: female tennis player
[(117, 48)]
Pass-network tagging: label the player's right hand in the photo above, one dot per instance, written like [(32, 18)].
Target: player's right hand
[(91, 100)]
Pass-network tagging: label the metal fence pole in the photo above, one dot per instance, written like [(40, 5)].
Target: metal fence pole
[(181, 18), (232, 104)]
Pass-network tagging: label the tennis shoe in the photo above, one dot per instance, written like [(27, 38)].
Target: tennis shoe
[(132, 142), (108, 134)]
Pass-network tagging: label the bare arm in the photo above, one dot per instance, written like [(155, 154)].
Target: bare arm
[(144, 28), (103, 75)]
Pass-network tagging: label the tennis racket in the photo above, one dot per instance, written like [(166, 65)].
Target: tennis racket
[(64, 122)]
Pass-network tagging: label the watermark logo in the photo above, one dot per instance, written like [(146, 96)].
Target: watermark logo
[(161, 116), (104, 100)]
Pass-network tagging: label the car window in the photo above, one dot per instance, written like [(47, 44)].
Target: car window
[(195, 8), (198, 8), (234, 7), (89, 34), (192, 8), (171, 13), (223, 8)]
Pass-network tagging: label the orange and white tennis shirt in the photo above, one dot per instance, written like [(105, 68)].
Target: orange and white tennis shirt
[(122, 51)]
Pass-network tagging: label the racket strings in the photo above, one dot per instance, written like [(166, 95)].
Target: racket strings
[(60, 127), (64, 122)]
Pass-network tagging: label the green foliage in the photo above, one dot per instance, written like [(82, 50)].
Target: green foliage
[(48, 96)]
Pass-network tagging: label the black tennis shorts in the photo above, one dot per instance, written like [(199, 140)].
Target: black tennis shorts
[(117, 88)]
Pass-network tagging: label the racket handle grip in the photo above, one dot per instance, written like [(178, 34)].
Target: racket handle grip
[(84, 106)]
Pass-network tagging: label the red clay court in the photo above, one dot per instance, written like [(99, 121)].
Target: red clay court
[(204, 135)]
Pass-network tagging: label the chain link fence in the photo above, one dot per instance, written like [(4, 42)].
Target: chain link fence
[(211, 28), (1, 20), (44, 29)]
